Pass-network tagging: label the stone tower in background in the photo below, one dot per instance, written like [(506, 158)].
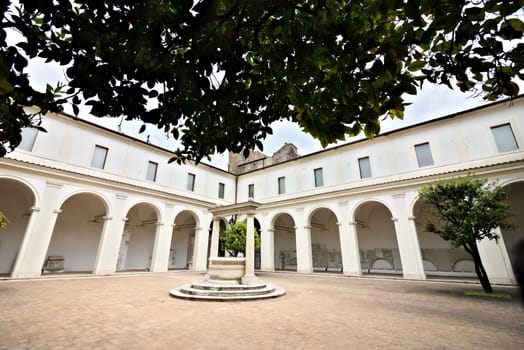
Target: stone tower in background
[(238, 164)]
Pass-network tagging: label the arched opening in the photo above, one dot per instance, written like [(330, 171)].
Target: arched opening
[(377, 240), (439, 258), (183, 241), (285, 252), (136, 247), (16, 200), (512, 238), (76, 235), (325, 241)]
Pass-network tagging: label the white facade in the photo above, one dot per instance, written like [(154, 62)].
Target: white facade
[(129, 217)]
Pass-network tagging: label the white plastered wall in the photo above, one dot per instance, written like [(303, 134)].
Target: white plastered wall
[(285, 251), (325, 241), (77, 230), (376, 238), (141, 225)]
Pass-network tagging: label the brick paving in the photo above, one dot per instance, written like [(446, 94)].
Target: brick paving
[(318, 312)]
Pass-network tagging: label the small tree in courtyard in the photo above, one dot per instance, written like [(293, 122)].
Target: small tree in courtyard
[(233, 240), (467, 210)]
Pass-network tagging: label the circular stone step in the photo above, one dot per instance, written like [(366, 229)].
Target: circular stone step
[(234, 292)]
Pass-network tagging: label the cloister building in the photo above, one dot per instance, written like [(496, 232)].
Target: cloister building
[(103, 202)]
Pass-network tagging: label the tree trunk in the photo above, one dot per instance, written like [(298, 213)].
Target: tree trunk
[(479, 267)]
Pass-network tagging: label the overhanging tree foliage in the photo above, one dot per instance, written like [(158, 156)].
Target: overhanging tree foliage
[(233, 239), (467, 210), (336, 67)]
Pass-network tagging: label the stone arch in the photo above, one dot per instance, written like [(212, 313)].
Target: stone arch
[(26, 184), (136, 246), (156, 210), (377, 238), (285, 244), (363, 202), (18, 199), (76, 234), (183, 240), (438, 256), (325, 240), (101, 198)]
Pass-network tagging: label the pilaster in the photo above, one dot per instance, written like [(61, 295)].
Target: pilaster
[(110, 238), (407, 239), (38, 234)]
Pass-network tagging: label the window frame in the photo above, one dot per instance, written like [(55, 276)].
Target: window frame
[(148, 177), (191, 179), (501, 146), (221, 190), (422, 158), (94, 164), (251, 191), (27, 143), (281, 185), (368, 167), (318, 175)]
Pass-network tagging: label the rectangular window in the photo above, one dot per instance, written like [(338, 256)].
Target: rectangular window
[(190, 182), (424, 157), (364, 167), (319, 177), (152, 168), (99, 157), (221, 190), (281, 185), (504, 138), (28, 139), (251, 191)]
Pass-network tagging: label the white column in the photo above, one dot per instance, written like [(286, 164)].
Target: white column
[(349, 249), (161, 246), (409, 248), (200, 249), (267, 250), (109, 245), (416, 247), (496, 260), (304, 254), (105, 232), (38, 235), (215, 238), (23, 247), (249, 275)]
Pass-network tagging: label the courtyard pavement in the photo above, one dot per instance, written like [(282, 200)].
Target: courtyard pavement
[(318, 312)]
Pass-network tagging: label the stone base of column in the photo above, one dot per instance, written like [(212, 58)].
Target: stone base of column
[(305, 270), (249, 279), (352, 273), (409, 276), (105, 272), (501, 280), (26, 275)]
